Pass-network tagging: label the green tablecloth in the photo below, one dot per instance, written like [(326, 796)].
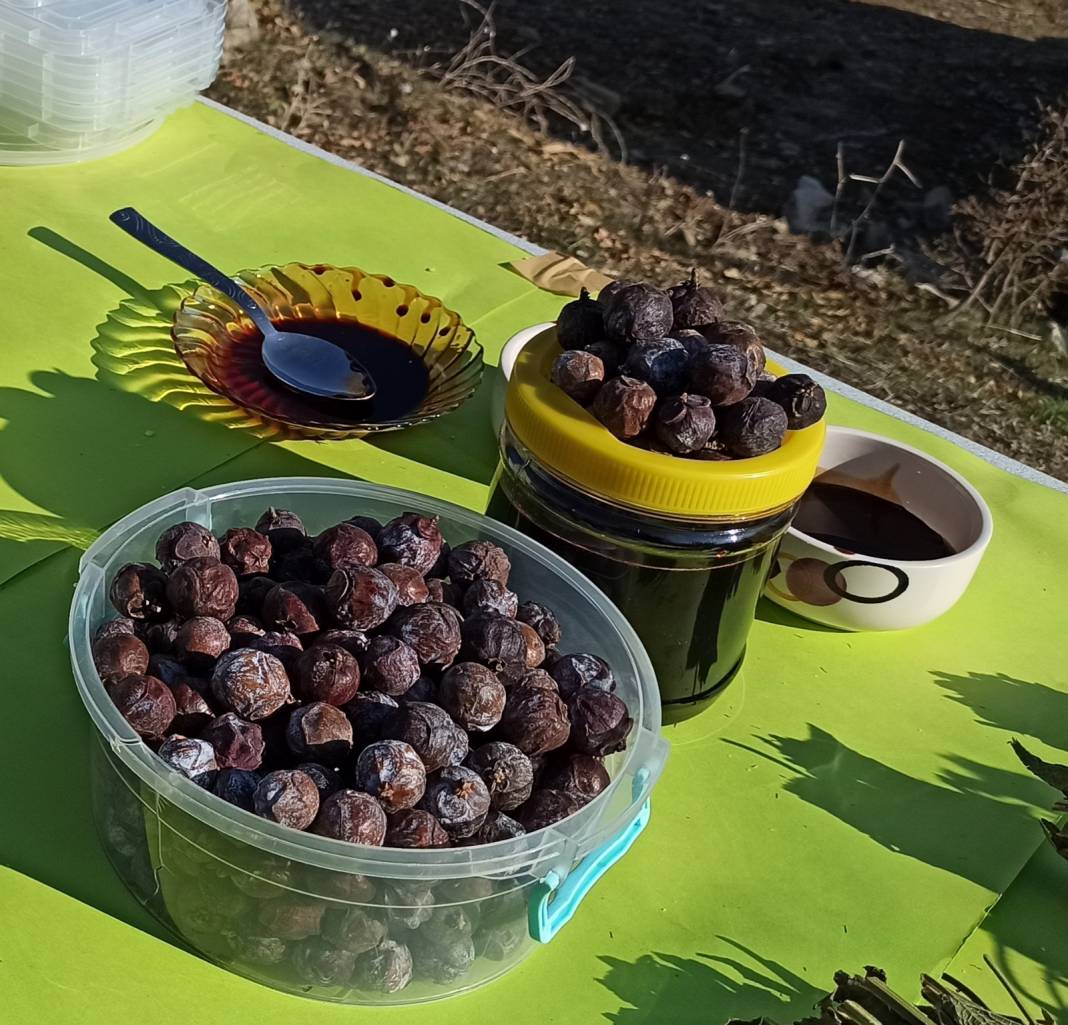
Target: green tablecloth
[(851, 799)]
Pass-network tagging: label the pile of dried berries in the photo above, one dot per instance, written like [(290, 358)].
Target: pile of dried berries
[(370, 684), (668, 371)]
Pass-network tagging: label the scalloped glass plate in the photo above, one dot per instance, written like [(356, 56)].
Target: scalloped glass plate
[(220, 345)]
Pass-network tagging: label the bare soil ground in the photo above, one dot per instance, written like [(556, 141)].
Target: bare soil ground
[(960, 80)]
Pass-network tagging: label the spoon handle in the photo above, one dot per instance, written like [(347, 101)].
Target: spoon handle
[(142, 229)]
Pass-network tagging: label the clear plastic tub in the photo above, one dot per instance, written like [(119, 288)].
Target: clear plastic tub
[(255, 897), (18, 151)]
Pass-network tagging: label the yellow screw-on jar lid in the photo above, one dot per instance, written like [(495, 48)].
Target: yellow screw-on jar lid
[(568, 441)]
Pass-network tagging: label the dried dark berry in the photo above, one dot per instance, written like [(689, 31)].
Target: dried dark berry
[(610, 355), (415, 828), (436, 738), (355, 642), (459, 799), (573, 672), (722, 373), (506, 771), (409, 904), (250, 594), (443, 592), (497, 827), (495, 641), (200, 641), (171, 671), (490, 596), (713, 452), (352, 816), (391, 771), (535, 720), (139, 591), (752, 428), (580, 322), (443, 963), (294, 606), (194, 759), (432, 630), (285, 529), (288, 797), (472, 695), (373, 715), (581, 776), (624, 406), (600, 723), (424, 689), (440, 569), (299, 563), (612, 289), (684, 423), (578, 374), (390, 665), (120, 655), (192, 713), (545, 808), (326, 672), (260, 950), (352, 929), (246, 551), (412, 540), (530, 678), (326, 779), (535, 646), (638, 313), (238, 744), (692, 341), (478, 560), (543, 619), (282, 645), (291, 918), (803, 399), (237, 787), (694, 305), (368, 524), (385, 969), (345, 547), (251, 683), (115, 627), (243, 627), (411, 587), (145, 703), (662, 364), (743, 337), (161, 637), (320, 732), (319, 963), (203, 587), (360, 599), (185, 541)]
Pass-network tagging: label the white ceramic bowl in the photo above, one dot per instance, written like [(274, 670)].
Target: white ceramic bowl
[(857, 591)]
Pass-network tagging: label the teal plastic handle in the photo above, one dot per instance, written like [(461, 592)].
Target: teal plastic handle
[(553, 902)]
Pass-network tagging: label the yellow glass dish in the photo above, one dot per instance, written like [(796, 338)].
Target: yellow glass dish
[(220, 345)]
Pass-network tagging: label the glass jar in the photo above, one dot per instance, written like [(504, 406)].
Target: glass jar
[(689, 587)]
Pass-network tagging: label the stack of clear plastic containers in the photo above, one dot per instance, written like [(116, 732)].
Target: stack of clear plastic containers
[(84, 78)]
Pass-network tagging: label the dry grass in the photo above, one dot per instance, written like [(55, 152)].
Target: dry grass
[(870, 329)]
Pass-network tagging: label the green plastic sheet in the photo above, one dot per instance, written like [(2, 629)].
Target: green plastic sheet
[(851, 799)]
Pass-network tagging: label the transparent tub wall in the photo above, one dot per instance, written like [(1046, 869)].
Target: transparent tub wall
[(263, 916)]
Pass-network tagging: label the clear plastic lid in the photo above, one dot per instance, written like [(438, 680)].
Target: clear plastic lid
[(591, 623), (83, 26)]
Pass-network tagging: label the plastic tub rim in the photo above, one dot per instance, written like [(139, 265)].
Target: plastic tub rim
[(554, 848)]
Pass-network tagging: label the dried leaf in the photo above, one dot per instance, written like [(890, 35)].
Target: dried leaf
[(1055, 775)]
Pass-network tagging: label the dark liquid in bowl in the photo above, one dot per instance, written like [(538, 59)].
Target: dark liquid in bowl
[(861, 523), (399, 374)]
